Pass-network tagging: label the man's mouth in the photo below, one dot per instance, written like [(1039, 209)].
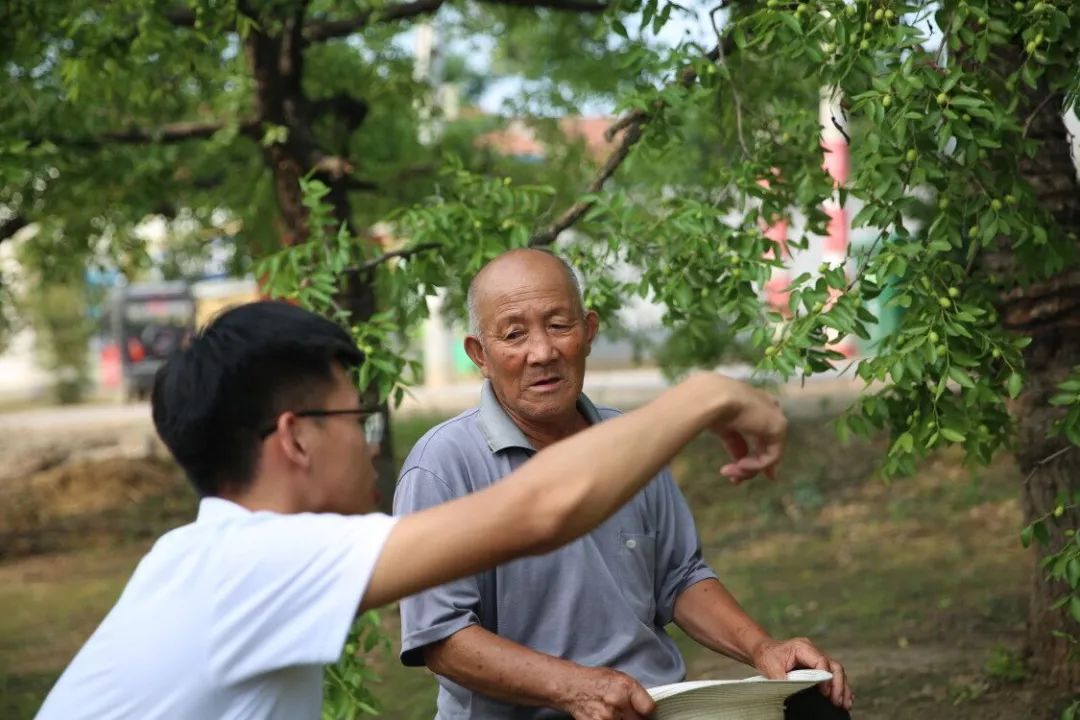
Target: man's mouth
[(546, 382)]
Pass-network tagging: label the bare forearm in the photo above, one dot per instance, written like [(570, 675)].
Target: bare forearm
[(573, 485), (711, 615), (499, 668), (562, 493)]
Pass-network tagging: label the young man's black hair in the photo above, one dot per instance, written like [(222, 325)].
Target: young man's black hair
[(250, 364)]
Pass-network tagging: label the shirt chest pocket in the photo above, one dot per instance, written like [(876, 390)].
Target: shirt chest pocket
[(636, 565)]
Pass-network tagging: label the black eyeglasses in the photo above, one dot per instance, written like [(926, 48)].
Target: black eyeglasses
[(373, 425)]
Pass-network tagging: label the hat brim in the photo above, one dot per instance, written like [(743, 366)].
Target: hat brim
[(754, 698)]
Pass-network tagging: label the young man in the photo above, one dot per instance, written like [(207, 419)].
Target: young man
[(234, 615), (498, 645)]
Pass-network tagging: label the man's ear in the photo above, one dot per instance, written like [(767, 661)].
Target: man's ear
[(592, 327), (292, 440), (475, 350)]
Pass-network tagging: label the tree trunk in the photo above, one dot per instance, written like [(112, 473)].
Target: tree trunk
[(276, 59), (1049, 312)]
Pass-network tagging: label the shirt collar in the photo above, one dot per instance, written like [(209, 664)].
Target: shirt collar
[(215, 509), (500, 431)]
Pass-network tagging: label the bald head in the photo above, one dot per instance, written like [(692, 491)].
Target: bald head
[(511, 268)]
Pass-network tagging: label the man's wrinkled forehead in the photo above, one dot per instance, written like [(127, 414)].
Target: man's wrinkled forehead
[(516, 309)]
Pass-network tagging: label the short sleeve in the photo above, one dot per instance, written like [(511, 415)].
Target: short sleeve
[(678, 552), (435, 614), (289, 587)]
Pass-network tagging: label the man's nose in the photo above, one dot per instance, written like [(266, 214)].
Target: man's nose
[(541, 349)]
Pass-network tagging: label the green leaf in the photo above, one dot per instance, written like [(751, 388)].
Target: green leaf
[(1026, 534), (1014, 384), (791, 21), (1041, 533), (961, 377), (952, 435), (1072, 572)]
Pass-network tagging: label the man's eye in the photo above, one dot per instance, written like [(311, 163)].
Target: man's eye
[(514, 335)]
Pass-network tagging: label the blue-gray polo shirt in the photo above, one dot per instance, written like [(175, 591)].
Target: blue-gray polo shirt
[(601, 601)]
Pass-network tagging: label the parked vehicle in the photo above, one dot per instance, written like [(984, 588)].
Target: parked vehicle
[(149, 322)]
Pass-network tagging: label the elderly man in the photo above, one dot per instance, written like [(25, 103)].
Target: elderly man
[(579, 631)]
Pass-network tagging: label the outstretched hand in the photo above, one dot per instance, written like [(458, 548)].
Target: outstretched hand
[(753, 431)]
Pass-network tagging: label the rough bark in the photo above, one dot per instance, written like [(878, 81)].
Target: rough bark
[(1049, 312), (276, 57)]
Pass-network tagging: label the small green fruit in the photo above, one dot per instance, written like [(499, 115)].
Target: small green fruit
[(943, 203), (965, 117), (934, 337), (867, 27), (850, 10), (1010, 199), (889, 14), (973, 231), (886, 101), (942, 98), (944, 302), (864, 45), (954, 292), (878, 14), (1018, 6), (1030, 47), (995, 205), (770, 351), (911, 155), (941, 350), (995, 353)]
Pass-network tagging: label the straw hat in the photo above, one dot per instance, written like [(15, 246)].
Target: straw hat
[(755, 698)]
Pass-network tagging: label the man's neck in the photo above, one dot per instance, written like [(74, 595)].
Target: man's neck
[(265, 497), (542, 434)]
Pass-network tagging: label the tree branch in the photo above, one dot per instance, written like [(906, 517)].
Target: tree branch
[(572, 214), (1036, 111), (320, 30), (180, 16), (361, 185), (402, 253), (164, 135), (578, 6), (631, 126), (349, 109), (12, 225), (731, 81)]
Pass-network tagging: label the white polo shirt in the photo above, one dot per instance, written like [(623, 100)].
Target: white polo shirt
[(232, 616)]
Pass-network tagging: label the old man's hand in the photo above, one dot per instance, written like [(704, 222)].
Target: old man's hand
[(774, 659), (605, 694)]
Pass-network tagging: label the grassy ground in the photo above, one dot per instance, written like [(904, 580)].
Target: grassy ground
[(918, 586)]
